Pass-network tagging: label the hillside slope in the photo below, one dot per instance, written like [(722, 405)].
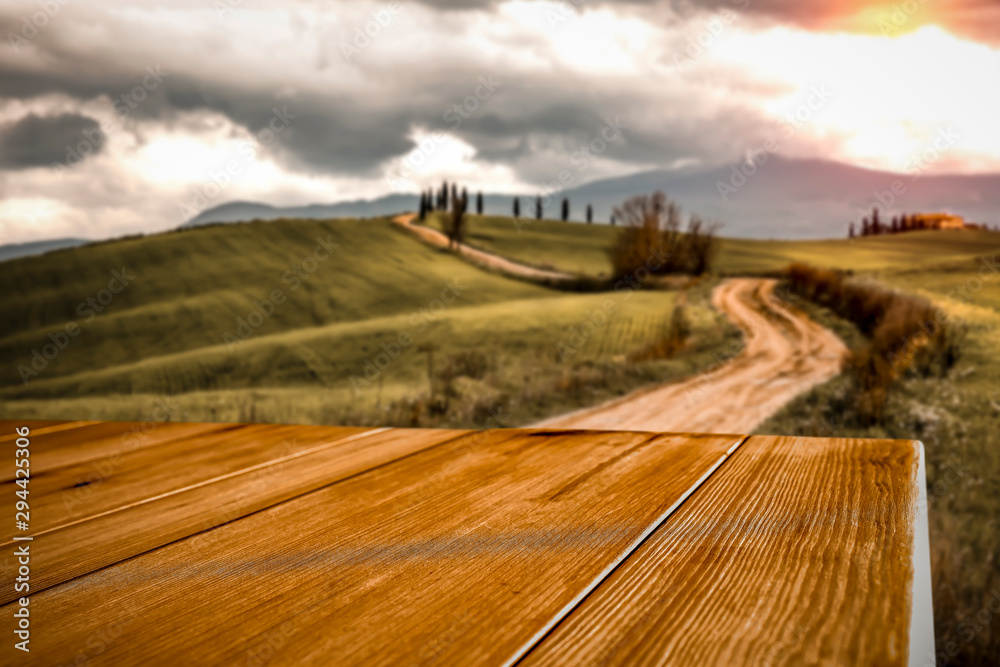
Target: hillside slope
[(185, 290), (583, 248), (333, 321)]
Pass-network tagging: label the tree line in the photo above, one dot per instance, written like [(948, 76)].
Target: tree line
[(444, 199), (874, 225)]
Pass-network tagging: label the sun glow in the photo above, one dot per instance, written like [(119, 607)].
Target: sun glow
[(889, 98)]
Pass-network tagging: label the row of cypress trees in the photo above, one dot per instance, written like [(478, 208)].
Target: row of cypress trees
[(438, 200), (564, 213)]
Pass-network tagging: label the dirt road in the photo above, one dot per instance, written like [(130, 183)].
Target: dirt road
[(480, 257), (786, 353)]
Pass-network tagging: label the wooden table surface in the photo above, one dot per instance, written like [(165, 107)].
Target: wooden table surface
[(222, 544)]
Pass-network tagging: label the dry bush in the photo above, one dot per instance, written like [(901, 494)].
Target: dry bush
[(702, 245), (651, 237), (904, 332)]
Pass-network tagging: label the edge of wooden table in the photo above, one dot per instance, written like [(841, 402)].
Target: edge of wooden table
[(922, 649)]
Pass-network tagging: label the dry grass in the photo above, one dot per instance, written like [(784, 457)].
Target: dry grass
[(904, 332), (672, 339)]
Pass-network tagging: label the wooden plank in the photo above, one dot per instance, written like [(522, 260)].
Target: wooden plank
[(458, 554), (37, 427), (75, 443), (84, 546), (796, 551), (176, 457)]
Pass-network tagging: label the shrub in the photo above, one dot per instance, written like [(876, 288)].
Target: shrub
[(904, 332), (652, 238)]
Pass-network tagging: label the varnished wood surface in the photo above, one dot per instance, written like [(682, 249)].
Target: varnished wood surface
[(279, 545), (461, 552), (136, 471), (796, 552), (84, 546), (75, 443)]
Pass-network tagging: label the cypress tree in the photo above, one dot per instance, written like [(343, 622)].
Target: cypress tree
[(565, 209), (444, 196), (517, 208), (590, 214), (423, 206), (479, 202), (538, 207)]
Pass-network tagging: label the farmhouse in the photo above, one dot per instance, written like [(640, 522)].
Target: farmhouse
[(939, 221)]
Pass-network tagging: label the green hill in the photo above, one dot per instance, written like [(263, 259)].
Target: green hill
[(281, 315), (581, 248)]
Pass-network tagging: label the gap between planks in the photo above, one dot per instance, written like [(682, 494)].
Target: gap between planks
[(561, 615), (271, 505), (206, 482)]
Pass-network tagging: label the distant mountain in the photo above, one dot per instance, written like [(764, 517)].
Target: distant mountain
[(15, 250), (779, 199), (239, 211)]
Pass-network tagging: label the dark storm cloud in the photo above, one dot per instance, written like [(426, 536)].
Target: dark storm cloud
[(352, 131), (367, 112), (40, 141)]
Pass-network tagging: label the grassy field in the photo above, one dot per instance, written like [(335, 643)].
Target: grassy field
[(343, 342), (581, 248), (957, 418)]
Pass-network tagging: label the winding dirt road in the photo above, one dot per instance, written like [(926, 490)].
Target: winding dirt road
[(480, 257), (786, 354)]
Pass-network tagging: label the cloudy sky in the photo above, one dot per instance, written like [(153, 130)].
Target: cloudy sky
[(121, 117)]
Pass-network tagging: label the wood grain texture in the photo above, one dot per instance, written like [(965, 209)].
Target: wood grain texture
[(796, 551), (36, 427), (74, 443), (85, 546), (174, 457), (456, 554)]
